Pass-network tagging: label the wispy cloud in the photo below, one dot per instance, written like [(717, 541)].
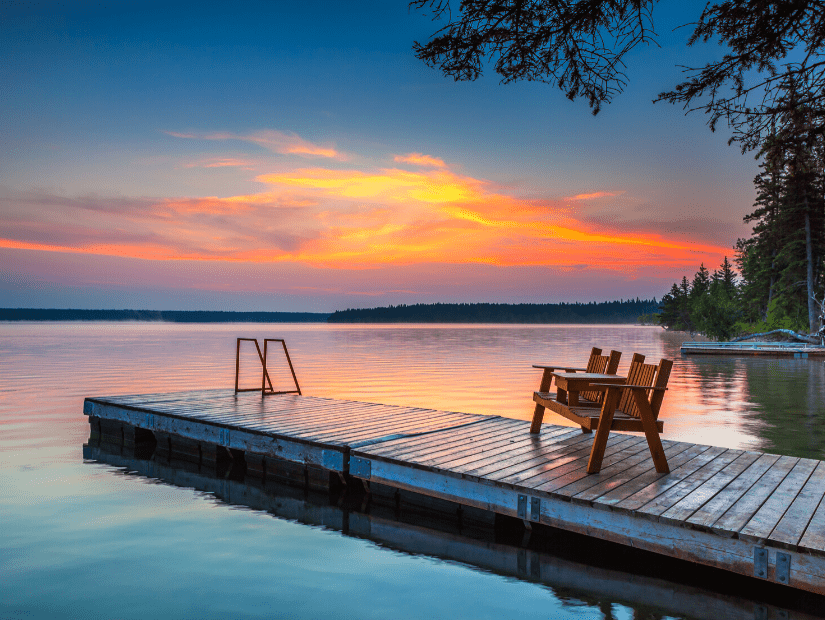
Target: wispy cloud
[(419, 159), (594, 195), (222, 162), (281, 142)]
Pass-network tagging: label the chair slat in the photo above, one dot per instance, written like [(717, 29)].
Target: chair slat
[(601, 364), (597, 364), (640, 374), (662, 377)]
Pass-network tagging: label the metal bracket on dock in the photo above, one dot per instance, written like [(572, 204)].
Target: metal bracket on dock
[(360, 468), (535, 509), (150, 420), (223, 437), (760, 562), (783, 567), (522, 506), (332, 459)]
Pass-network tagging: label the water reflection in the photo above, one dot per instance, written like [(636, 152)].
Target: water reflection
[(773, 405), (578, 571), (81, 536), (778, 402)]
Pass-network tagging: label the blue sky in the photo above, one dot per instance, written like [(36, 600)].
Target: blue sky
[(180, 156)]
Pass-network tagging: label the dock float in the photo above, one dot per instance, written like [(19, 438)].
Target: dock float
[(776, 349), (754, 514)]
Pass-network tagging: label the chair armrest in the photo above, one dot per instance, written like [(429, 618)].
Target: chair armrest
[(601, 387), (558, 367)]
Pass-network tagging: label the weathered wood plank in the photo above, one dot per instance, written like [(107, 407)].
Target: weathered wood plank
[(456, 448), (594, 486), (698, 497), (523, 472), (383, 427), (462, 427), (492, 427), (794, 522), (338, 422), (762, 523), (677, 492), (737, 516), (727, 497), (647, 487), (285, 414), (617, 488), (539, 476), (561, 444), (575, 482), (615, 454), (814, 537), (454, 457), (470, 440)]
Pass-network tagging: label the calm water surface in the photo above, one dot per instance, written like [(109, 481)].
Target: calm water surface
[(104, 538)]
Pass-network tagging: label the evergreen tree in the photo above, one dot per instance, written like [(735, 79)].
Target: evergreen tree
[(670, 308)]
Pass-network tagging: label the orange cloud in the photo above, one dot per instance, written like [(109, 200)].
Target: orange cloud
[(419, 159), (355, 218), (390, 184)]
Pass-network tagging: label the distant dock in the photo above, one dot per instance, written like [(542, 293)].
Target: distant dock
[(781, 349), (755, 514)]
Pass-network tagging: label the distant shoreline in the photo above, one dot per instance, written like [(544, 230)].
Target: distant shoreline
[(161, 316), (623, 312)]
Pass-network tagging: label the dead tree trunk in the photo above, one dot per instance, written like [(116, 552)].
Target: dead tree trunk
[(809, 255)]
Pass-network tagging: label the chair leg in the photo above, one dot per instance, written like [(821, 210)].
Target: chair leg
[(654, 442), (594, 465), (586, 430), (538, 412), (538, 417)]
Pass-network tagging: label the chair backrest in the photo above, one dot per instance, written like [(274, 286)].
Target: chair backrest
[(595, 360), (607, 364), (647, 375)]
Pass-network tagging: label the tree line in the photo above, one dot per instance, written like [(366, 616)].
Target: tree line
[(613, 312), (781, 264), (169, 316)]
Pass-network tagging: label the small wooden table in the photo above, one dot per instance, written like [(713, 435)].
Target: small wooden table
[(569, 384)]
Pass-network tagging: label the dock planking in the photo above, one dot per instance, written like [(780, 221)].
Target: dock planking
[(747, 512)]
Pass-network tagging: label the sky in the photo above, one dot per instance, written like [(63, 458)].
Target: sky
[(298, 157)]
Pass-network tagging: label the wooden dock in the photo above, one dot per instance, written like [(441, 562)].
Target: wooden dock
[(773, 349), (758, 515)]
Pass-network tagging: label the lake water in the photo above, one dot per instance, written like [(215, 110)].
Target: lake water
[(118, 536)]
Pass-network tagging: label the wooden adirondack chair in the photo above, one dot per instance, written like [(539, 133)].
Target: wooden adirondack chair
[(597, 363), (633, 407)]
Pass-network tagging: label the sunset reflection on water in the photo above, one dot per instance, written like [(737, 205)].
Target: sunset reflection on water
[(80, 537), (770, 404)]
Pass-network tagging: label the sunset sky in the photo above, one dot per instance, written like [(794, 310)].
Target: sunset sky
[(298, 157)]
